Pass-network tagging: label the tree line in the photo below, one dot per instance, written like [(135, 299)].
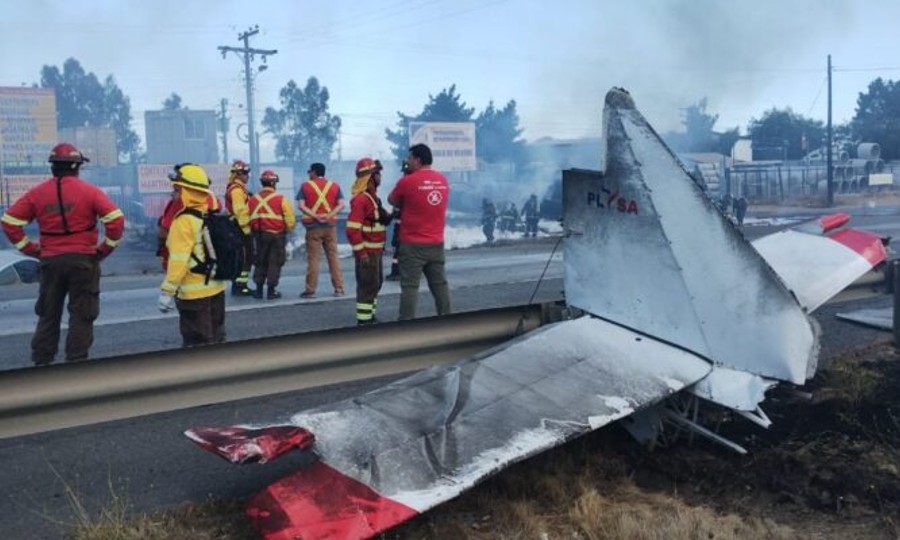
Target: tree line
[(305, 130)]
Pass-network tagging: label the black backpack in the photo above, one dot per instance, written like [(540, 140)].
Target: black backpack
[(223, 244)]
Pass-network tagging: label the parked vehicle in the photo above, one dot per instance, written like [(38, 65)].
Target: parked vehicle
[(16, 268)]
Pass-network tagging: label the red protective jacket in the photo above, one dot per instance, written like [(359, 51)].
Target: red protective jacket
[(67, 210), (366, 224), (270, 212), (321, 196)]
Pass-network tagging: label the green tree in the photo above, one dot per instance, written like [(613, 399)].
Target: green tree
[(785, 131), (497, 136), (446, 106), (877, 117), (303, 128), (82, 100), (173, 103), (698, 134)]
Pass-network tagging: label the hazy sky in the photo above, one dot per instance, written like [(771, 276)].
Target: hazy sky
[(556, 59)]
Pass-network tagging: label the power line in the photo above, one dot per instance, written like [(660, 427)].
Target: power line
[(819, 93), (249, 54)]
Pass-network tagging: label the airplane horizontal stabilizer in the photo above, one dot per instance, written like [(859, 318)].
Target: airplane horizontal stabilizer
[(815, 267)]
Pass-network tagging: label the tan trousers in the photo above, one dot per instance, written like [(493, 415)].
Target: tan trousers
[(317, 239)]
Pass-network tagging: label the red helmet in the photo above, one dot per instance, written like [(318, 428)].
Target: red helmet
[(240, 167), (268, 177), (66, 153), (366, 165)]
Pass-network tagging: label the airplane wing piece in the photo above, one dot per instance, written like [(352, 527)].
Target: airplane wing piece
[(818, 266), (395, 452)]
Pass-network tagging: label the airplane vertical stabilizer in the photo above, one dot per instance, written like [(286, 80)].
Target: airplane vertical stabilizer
[(647, 249)]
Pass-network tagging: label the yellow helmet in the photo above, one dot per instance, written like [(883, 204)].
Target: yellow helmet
[(191, 176)]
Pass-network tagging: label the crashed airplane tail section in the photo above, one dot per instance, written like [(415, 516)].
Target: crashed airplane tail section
[(647, 249)]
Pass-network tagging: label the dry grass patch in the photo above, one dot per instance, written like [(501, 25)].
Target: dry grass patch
[(212, 520)]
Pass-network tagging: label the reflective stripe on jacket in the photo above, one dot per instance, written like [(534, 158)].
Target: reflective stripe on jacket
[(236, 199), (365, 230), (271, 212), (185, 239), (66, 210), (324, 193)]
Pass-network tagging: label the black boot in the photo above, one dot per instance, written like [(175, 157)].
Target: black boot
[(272, 294), (240, 289), (395, 273), (258, 292)]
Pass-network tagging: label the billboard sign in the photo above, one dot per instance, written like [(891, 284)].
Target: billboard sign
[(27, 124), (452, 143)]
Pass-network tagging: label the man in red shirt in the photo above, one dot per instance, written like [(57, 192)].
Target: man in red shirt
[(67, 209), (422, 197)]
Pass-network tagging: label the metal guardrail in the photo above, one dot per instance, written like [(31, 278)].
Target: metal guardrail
[(35, 400)]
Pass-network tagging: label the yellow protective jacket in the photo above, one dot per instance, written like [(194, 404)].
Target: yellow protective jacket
[(185, 239), (236, 203)]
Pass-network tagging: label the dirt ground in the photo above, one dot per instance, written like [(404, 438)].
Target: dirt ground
[(829, 467)]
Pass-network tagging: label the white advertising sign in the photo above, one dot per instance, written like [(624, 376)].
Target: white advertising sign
[(452, 143)]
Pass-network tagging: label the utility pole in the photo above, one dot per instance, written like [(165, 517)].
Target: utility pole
[(223, 127), (248, 55), (828, 162)]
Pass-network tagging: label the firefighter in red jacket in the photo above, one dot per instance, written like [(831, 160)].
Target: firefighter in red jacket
[(66, 209), (271, 219), (237, 199), (366, 231)]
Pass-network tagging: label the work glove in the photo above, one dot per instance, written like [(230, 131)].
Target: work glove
[(166, 303)]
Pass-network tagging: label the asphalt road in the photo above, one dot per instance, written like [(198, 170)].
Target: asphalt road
[(152, 465)]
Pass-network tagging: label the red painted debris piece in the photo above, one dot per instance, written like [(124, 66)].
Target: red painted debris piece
[(319, 502), (868, 245), (248, 445)]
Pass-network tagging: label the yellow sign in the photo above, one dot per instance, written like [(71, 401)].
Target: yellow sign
[(27, 124)]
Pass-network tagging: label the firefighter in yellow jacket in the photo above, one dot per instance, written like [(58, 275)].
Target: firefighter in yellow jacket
[(237, 203), (200, 300)]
